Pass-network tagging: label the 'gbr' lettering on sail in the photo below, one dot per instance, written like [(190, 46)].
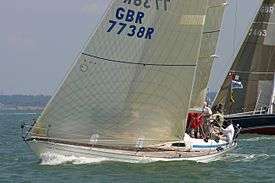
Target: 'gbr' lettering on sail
[(129, 22)]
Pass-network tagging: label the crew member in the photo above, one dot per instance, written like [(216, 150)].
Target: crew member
[(206, 110), (228, 132)]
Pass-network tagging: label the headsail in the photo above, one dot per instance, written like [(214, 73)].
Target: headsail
[(207, 52), (132, 83), (254, 65)]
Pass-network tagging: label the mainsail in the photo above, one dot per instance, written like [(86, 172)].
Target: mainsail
[(254, 65), (207, 52), (131, 85)]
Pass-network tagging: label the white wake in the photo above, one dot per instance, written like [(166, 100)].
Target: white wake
[(232, 157), (57, 159), (255, 139)]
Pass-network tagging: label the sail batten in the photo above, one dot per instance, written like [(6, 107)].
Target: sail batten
[(140, 63)]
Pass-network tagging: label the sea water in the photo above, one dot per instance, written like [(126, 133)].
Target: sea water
[(252, 161)]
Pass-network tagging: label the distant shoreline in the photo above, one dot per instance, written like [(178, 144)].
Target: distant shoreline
[(23, 102)]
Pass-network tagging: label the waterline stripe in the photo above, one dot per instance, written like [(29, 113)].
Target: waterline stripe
[(209, 146)]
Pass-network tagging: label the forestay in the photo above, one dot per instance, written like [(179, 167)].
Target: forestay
[(131, 84), (255, 66), (207, 52)]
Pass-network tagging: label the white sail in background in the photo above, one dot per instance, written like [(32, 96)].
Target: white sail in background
[(264, 91), (207, 52), (132, 82), (272, 101)]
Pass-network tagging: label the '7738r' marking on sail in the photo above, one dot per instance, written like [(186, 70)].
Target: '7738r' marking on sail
[(141, 32), (130, 16)]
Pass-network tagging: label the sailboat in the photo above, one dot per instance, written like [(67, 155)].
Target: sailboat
[(127, 96), (248, 92)]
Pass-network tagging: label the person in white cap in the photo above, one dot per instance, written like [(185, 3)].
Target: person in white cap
[(206, 110)]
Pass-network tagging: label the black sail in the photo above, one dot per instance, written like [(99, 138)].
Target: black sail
[(255, 66)]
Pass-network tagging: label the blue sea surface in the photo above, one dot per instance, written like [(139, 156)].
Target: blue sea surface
[(252, 161)]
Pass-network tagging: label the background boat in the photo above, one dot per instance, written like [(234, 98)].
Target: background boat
[(251, 105)]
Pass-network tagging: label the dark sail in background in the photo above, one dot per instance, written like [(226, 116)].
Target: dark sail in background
[(255, 66)]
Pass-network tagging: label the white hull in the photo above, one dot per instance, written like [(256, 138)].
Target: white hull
[(204, 155)]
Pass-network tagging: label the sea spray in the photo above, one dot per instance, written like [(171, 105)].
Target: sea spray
[(232, 157), (259, 138), (57, 159)]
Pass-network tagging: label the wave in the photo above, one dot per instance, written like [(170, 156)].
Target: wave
[(255, 139), (57, 159), (231, 157)]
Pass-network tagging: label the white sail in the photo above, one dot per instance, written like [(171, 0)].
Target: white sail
[(272, 101), (264, 92), (207, 52), (132, 82)]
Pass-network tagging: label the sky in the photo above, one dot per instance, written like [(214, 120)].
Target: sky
[(39, 39)]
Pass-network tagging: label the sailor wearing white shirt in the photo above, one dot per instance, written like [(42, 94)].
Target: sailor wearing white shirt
[(207, 110), (228, 132)]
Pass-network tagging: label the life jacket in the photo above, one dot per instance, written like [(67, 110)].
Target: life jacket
[(195, 120)]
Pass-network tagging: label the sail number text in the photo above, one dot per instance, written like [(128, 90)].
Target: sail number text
[(258, 32), (267, 9), (158, 4), (129, 22)]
